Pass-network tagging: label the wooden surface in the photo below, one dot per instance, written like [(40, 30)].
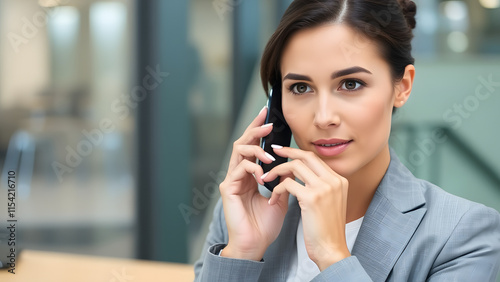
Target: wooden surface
[(37, 266)]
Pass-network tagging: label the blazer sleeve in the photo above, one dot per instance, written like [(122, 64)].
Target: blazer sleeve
[(212, 267), (472, 252), (348, 269)]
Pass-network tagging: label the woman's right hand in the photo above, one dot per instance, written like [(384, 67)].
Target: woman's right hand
[(252, 223)]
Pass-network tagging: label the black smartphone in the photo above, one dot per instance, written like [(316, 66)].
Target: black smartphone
[(280, 135)]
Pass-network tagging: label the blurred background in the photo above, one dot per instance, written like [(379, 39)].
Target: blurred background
[(118, 116)]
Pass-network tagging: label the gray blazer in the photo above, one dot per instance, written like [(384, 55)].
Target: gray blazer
[(412, 231)]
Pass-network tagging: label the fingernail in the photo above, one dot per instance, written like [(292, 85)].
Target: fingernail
[(274, 146), (265, 107), (269, 202), (264, 175), (269, 156), (266, 125)]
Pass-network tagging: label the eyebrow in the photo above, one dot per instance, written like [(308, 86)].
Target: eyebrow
[(334, 75)]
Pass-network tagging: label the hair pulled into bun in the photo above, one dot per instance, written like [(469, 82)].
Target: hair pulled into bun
[(388, 23), (409, 10)]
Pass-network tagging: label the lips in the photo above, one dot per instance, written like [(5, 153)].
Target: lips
[(331, 147), (330, 142)]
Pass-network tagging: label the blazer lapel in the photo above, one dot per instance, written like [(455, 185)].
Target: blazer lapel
[(394, 214)]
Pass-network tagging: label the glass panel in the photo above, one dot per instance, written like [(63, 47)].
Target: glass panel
[(210, 99), (66, 73)]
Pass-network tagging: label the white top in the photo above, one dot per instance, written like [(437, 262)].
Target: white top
[(303, 268)]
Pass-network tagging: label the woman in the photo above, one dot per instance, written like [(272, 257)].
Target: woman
[(355, 212)]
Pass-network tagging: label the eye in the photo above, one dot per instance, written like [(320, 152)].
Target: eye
[(300, 88), (352, 84)]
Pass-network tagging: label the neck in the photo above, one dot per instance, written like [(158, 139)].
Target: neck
[(364, 183)]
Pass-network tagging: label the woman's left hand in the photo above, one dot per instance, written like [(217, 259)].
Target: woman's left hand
[(322, 199)]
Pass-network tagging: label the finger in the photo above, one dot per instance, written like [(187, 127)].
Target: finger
[(259, 119), (252, 151), (283, 178), (249, 137), (253, 135), (309, 158), (280, 199), (295, 167), (244, 168), (283, 199), (281, 191)]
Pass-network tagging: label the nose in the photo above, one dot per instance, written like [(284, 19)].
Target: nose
[(326, 114)]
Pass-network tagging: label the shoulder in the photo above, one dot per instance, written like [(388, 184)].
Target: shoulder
[(462, 233), (407, 192), (456, 237), (448, 210), (445, 213), (458, 230)]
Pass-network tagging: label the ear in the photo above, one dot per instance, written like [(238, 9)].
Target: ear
[(403, 87)]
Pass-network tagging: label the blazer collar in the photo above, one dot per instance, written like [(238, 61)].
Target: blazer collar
[(394, 214), (400, 187)]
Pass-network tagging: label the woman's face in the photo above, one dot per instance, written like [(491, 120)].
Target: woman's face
[(338, 96)]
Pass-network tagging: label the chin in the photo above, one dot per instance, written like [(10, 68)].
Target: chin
[(341, 166)]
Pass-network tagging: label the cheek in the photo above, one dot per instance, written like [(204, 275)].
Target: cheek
[(374, 121), (296, 116), (291, 110)]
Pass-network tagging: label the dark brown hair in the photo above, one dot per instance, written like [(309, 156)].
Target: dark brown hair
[(389, 23)]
